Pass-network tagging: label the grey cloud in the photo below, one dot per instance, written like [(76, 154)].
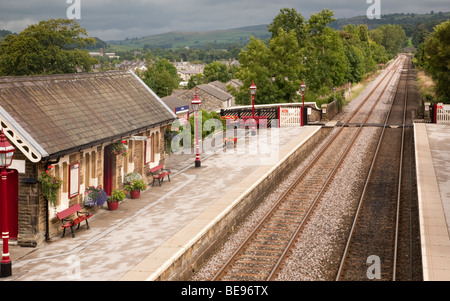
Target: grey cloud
[(110, 19)]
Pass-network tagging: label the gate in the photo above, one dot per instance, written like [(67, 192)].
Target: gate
[(442, 113), (290, 116)]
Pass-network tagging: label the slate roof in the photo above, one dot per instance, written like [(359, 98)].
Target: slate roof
[(173, 101), (214, 91), (69, 112)]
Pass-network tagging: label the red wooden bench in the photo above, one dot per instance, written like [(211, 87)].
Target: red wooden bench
[(158, 173), (69, 223)]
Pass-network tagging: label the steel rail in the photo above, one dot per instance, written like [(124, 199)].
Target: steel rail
[(309, 212), (363, 194), (240, 248), (394, 268)]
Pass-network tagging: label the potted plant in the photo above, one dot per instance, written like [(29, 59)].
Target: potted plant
[(135, 188), (130, 177), (95, 196), (117, 196)]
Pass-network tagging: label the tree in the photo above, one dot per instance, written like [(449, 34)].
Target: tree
[(50, 47), (325, 60), (419, 34), (289, 19), (311, 51), (216, 71), (392, 37), (275, 69), (437, 50), (195, 80), (161, 77)]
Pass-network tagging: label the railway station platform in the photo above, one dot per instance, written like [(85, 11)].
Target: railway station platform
[(432, 148), (170, 228)]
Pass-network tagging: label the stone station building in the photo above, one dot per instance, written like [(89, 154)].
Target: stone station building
[(70, 122)]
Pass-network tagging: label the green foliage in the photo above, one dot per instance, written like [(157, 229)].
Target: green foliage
[(210, 122), (50, 185), (50, 47), (117, 195), (217, 71), (289, 19), (161, 77), (437, 59), (135, 185), (311, 51), (274, 68), (391, 37), (195, 80)]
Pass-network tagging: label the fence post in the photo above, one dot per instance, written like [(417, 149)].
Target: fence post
[(279, 116)]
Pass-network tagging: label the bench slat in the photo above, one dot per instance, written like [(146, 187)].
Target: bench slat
[(69, 211), (156, 168)]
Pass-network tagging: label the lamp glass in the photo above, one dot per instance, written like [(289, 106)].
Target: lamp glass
[(2, 159), (253, 89), (6, 158)]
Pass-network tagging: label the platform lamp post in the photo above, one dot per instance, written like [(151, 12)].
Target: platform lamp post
[(196, 103), (303, 88), (6, 157), (253, 92)]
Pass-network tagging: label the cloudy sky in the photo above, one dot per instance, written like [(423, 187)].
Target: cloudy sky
[(118, 19)]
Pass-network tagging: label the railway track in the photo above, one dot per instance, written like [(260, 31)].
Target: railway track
[(262, 254), (371, 251)]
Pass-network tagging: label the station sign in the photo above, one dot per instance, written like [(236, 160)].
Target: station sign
[(183, 114), (139, 138)]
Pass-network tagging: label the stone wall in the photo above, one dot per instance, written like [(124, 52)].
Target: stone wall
[(330, 110), (29, 205)]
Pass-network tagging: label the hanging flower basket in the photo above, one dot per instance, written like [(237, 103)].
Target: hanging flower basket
[(120, 148), (50, 185)]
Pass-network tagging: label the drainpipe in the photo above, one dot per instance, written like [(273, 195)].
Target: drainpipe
[(47, 221)]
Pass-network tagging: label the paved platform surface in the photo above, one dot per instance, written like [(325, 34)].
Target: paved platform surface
[(433, 179), (121, 245)]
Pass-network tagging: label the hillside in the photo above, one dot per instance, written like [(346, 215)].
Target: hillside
[(221, 38), (176, 39), (408, 20), (3, 34)]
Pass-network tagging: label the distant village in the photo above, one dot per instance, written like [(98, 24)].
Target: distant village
[(214, 95)]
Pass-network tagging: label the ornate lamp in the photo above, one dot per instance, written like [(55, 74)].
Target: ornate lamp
[(196, 104), (253, 92)]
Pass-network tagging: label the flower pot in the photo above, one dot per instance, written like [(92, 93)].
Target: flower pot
[(113, 205), (135, 194)]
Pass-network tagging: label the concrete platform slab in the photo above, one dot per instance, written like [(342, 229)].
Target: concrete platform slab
[(432, 146), (157, 232)]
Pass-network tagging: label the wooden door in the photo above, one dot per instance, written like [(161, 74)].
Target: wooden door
[(108, 170), (12, 184)]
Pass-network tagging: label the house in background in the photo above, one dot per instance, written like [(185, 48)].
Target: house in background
[(71, 121), (213, 97)]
